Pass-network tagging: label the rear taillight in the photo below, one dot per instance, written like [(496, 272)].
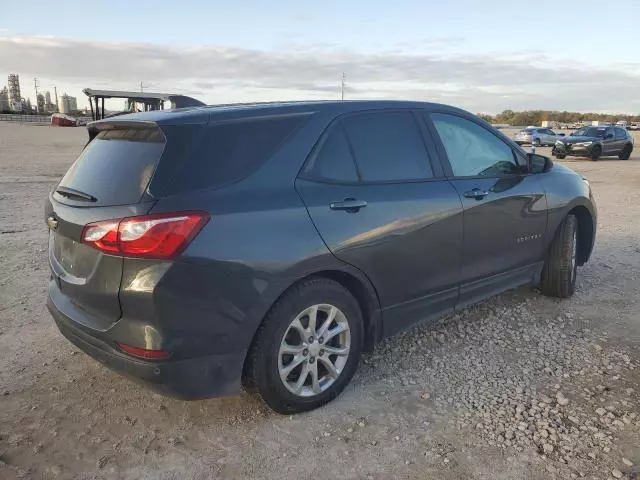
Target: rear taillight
[(162, 235)]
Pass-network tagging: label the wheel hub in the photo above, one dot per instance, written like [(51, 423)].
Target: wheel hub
[(314, 349)]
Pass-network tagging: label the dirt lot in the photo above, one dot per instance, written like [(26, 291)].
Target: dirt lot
[(521, 386)]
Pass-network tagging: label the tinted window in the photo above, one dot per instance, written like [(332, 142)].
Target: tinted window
[(219, 154), (387, 146), (590, 132), (334, 160), (473, 150), (621, 133), (116, 166)]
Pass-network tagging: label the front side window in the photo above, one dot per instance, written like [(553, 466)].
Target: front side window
[(387, 146), (473, 150)]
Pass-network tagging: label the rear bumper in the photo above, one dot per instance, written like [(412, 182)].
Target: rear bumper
[(189, 378)]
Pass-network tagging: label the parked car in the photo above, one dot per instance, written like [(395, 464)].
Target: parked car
[(595, 142), (537, 136), (268, 245)]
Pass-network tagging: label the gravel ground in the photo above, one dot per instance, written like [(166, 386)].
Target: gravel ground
[(521, 386)]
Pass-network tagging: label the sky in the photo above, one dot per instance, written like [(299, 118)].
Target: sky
[(484, 56)]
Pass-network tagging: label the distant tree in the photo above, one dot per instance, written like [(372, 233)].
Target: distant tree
[(486, 117)]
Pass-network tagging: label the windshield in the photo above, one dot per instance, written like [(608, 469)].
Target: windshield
[(590, 132)]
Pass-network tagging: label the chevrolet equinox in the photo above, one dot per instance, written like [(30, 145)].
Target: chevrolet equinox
[(205, 249)]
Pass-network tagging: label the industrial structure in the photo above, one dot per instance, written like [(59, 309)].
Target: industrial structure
[(49, 106), (40, 103), (4, 100), (15, 99)]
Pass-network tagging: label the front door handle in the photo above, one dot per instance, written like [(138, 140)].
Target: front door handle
[(350, 205), (476, 193)]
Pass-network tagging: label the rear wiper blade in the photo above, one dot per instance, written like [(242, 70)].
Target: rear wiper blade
[(75, 194)]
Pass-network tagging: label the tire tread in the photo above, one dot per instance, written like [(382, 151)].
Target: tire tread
[(557, 273)]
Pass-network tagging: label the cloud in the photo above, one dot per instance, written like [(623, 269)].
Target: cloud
[(486, 83)]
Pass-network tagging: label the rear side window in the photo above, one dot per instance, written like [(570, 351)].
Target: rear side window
[(116, 166), (621, 133), (334, 160), (226, 152), (387, 146)]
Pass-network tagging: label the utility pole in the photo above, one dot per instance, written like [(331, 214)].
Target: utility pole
[(55, 91), (35, 85), (342, 89)]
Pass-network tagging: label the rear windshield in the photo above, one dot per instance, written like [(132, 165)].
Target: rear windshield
[(210, 156), (115, 167)]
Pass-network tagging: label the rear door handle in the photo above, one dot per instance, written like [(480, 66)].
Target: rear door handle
[(476, 193), (350, 205)]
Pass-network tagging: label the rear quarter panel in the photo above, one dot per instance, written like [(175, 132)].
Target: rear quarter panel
[(258, 242)]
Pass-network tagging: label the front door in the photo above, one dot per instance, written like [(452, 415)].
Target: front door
[(505, 210), (381, 205)]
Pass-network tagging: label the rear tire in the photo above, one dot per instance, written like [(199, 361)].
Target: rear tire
[(560, 269), (596, 152), (626, 152), (560, 156), (287, 326)]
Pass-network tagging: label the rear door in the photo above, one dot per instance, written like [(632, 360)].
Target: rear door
[(505, 210), (107, 181), (551, 137), (609, 143), (380, 204), (621, 139)]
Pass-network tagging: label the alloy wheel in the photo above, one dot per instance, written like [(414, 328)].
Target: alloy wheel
[(314, 350)]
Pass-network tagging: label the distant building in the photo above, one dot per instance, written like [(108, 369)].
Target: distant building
[(4, 100), (68, 104), (15, 99)]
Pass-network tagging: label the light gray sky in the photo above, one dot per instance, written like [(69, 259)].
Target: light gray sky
[(482, 56)]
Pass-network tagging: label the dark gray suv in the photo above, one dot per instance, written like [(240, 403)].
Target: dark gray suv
[(268, 245)]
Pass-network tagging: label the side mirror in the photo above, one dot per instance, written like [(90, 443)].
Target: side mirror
[(538, 163)]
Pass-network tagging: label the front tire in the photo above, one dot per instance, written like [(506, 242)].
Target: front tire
[(560, 156), (307, 347), (626, 152), (537, 142), (596, 152), (560, 268)]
